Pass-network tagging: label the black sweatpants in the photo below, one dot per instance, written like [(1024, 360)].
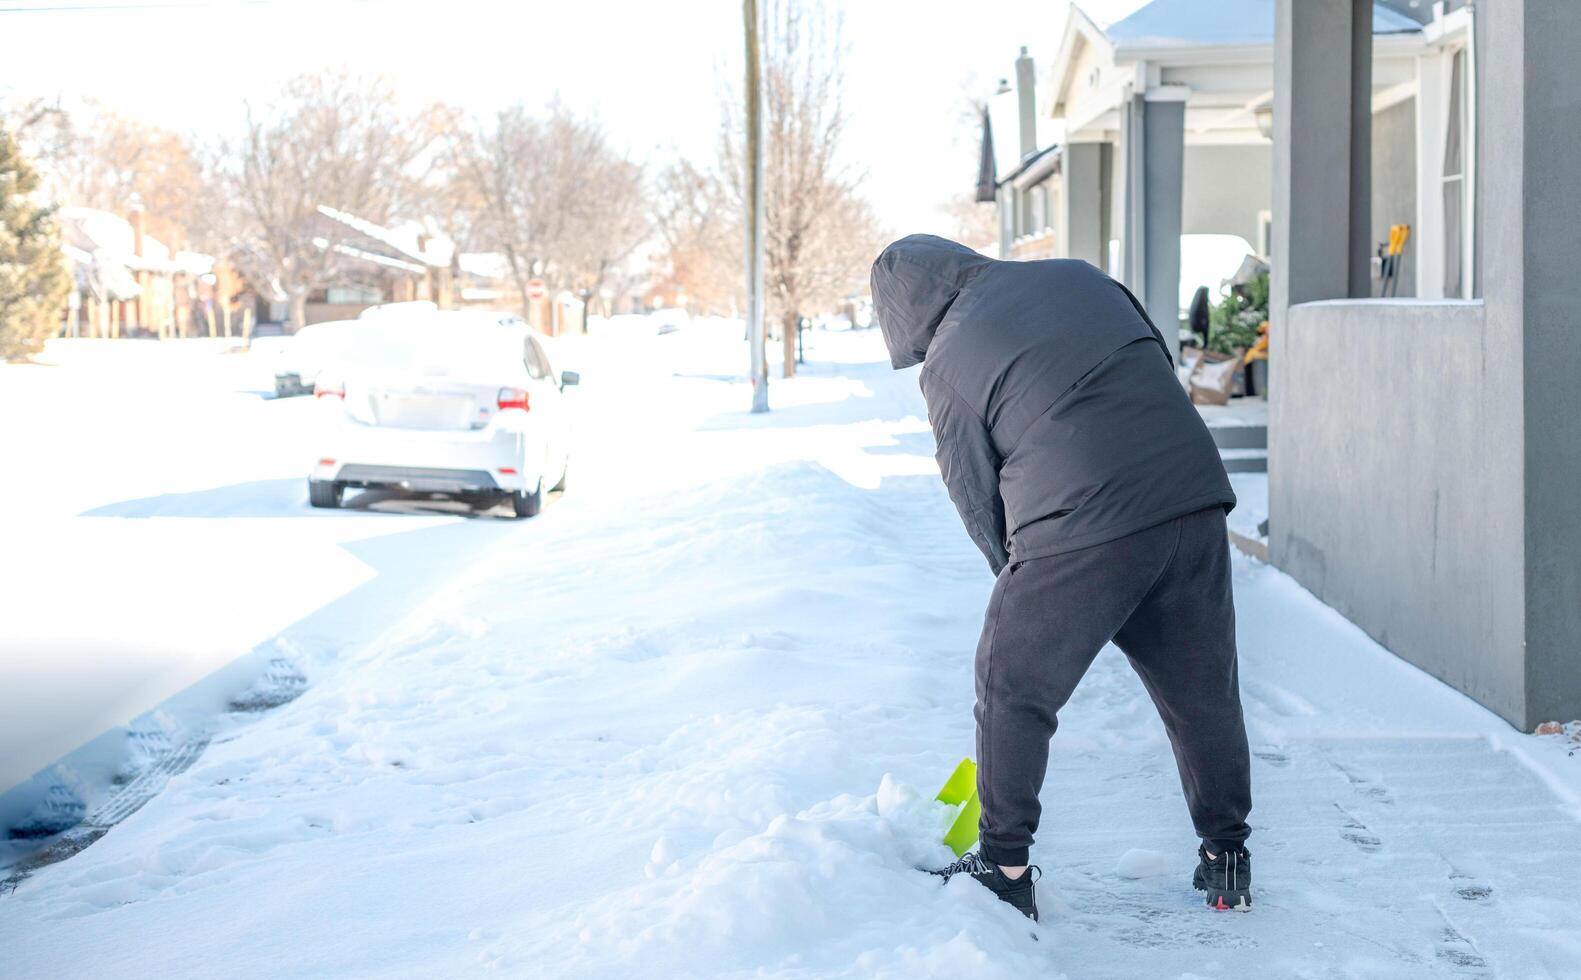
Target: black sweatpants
[(1163, 596)]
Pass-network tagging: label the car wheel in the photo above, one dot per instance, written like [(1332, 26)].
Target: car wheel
[(527, 503), (324, 493), (563, 473)]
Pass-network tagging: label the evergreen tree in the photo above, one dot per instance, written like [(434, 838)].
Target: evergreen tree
[(33, 276)]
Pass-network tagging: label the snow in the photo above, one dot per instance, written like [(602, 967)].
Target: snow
[(689, 721), (1239, 412), (1141, 863), (1251, 504)]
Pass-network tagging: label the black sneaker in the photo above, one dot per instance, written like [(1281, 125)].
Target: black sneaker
[(1227, 879), (1019, 892)]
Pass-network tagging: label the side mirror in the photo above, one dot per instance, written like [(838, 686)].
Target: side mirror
[(569, 378)]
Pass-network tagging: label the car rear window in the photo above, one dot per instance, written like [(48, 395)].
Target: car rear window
[(435, 350)]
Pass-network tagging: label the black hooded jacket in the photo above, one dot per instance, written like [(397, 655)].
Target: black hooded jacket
[(1058, 416)]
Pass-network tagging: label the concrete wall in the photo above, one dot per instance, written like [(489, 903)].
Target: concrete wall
[(1394, 183), (1226, 187), (1395, 488)]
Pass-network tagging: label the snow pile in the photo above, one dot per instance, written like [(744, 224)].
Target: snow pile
[(1140, 863), (689, 722)]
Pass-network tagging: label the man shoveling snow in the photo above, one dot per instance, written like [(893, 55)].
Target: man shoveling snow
[(1095, 491)]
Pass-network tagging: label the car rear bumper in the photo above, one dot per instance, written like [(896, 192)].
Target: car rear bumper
[(423, 460), (419, 478)]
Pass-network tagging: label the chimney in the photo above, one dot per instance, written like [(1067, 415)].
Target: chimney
[(1026, 97), (136, 219)]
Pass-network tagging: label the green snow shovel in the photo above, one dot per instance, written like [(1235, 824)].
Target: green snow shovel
[(961, 790)]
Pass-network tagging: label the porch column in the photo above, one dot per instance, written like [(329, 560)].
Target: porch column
[(1529, 107), (1153, 130), (1163, 161), (1083, 212), (1322, 152)]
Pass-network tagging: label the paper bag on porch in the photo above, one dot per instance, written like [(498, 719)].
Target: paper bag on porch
[(1214, 379)]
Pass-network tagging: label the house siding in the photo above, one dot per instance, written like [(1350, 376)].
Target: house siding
[(1394, 182), (1226, 188)]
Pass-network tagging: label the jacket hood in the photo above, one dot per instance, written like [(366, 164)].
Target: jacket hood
[(914, 282)]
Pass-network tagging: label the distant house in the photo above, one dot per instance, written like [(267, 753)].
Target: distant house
[(1021, 168), (411, 261), (485, 280), (129, 284)]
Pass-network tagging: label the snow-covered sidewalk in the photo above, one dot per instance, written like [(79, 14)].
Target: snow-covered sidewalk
[(686, 724)]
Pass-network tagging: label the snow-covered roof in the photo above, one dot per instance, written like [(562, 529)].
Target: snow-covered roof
[(484, 265), (363, 255), (193, 263), (412, 239), (1180, 23), (110, 238)]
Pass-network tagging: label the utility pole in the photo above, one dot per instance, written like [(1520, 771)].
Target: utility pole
[(754, 242)]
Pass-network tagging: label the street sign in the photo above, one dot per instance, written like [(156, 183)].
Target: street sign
[(535, 289)]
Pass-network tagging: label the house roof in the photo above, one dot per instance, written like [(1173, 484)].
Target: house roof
[(408, 241), (1180, 23), (1044, 159), (109, 240)]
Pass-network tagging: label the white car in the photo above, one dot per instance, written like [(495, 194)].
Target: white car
[(306, 353), (444, 402)]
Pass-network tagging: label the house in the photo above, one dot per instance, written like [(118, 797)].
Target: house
[(485, 280), (129, 284), (1164, 122), (379, 264), (1424, 448), (1425, 453), (1021, 170)]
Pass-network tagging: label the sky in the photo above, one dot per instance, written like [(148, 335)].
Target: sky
[(655, 72)]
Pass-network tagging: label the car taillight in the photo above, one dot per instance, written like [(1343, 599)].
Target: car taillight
[(513, 398), (328, 390)]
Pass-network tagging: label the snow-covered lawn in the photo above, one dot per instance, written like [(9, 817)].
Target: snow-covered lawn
[(686, 722)]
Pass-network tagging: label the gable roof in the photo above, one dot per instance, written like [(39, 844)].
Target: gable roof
[(1180, 23)]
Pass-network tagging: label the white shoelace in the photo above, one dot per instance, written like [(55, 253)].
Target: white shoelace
[(969, 864)]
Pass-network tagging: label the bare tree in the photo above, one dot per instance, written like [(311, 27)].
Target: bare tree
[(552, 193), (334, 140), (820, 234), (91, 156), (699, 230), (104, 160), (976, 222)]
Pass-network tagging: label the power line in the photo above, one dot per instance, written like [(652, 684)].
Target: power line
[(70, 8)]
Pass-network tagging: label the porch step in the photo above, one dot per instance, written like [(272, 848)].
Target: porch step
[(1244, 460), (1239, 436)]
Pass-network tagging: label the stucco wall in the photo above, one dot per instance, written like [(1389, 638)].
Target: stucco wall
[(1225, 188), (1395, 487)]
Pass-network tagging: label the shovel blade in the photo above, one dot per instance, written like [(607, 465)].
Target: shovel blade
[(961, 790)]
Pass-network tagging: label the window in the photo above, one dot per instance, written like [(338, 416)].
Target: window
[(353, 295), (1455, 180), (537, 364)]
